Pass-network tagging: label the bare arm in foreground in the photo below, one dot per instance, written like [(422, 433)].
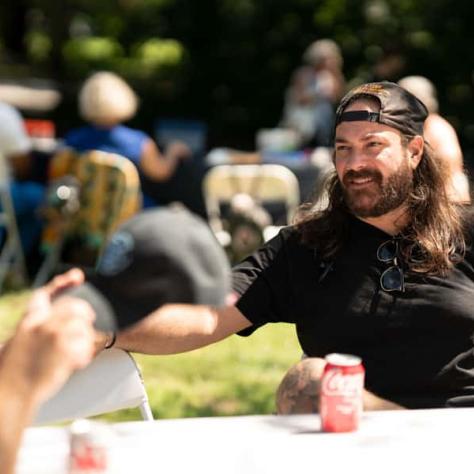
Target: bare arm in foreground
[(176, 328), (49, 343)]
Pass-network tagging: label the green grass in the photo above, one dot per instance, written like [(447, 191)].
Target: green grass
[(234, 377), (11, 308)]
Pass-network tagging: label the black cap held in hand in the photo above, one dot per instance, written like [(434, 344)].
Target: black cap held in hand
[(398, 108), (165, 255)]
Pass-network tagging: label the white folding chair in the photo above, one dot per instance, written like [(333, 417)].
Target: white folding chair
[(11, 254), (112, 381), (265, 183)]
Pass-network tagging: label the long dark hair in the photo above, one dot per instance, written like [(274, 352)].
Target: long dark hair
[(431, 243)]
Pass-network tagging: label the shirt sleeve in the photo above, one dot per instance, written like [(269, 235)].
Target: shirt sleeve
[(262, 283)]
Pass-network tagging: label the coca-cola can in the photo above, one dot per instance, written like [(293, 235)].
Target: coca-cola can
[(89, 445), (342, 386)]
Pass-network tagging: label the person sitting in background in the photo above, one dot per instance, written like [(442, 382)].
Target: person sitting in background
[(440, 134), (50, 342), (27, 196), (105, 101), (312, 93)]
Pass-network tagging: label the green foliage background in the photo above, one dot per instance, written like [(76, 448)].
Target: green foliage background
[(228, 61)]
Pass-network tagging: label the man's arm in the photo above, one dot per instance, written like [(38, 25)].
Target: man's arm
[(48, 345), (175, 328)]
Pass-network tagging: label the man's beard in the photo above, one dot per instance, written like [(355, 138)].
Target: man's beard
[(380, 197)]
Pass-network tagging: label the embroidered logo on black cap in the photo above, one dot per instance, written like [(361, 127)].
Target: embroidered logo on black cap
[(118, 254), (371, 88)]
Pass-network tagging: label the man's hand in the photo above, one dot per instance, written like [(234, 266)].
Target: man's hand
[(54, 338), (51, 341)]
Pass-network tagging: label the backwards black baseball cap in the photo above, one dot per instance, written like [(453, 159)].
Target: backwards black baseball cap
[(398, 108), (165, 255)]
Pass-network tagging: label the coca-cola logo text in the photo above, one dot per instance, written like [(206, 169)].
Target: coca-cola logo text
[(335, 383)]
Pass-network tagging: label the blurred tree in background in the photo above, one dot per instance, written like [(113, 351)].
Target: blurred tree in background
[(228, 62)]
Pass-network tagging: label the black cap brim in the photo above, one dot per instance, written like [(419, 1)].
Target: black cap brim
[(111, 315), (105, 316)]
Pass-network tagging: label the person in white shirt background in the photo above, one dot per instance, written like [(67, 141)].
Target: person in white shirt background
[(27, 195)]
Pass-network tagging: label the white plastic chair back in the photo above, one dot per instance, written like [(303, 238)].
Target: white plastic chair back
[(263, 182), (112, 381), (11, 253)]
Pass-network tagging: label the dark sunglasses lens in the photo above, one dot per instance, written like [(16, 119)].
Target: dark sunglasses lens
[(392, 279), (387, 251)]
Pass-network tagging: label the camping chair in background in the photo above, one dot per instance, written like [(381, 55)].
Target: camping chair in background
[(111, 382), (63, 163), (12, 258), (108, 194), (265, 184), (58, 210)]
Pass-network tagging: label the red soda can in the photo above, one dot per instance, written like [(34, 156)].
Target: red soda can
[(88, 448), (341, 393)]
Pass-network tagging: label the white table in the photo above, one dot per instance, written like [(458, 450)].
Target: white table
[(408, 442)]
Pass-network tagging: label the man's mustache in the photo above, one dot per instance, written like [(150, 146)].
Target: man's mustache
[(375, 175)]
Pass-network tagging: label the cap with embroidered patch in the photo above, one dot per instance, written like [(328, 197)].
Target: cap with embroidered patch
[(165, 255), (398, 108)]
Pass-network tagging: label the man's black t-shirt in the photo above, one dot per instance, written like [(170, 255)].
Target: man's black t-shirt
[(417, 345)]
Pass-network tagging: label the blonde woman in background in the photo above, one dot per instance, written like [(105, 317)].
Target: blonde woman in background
[(442, 137), (105, 102)]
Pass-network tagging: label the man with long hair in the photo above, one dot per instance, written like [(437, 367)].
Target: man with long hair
[(384, 272)]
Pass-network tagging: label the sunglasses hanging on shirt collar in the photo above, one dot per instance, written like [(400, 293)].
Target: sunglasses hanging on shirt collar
[(393, 278)]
